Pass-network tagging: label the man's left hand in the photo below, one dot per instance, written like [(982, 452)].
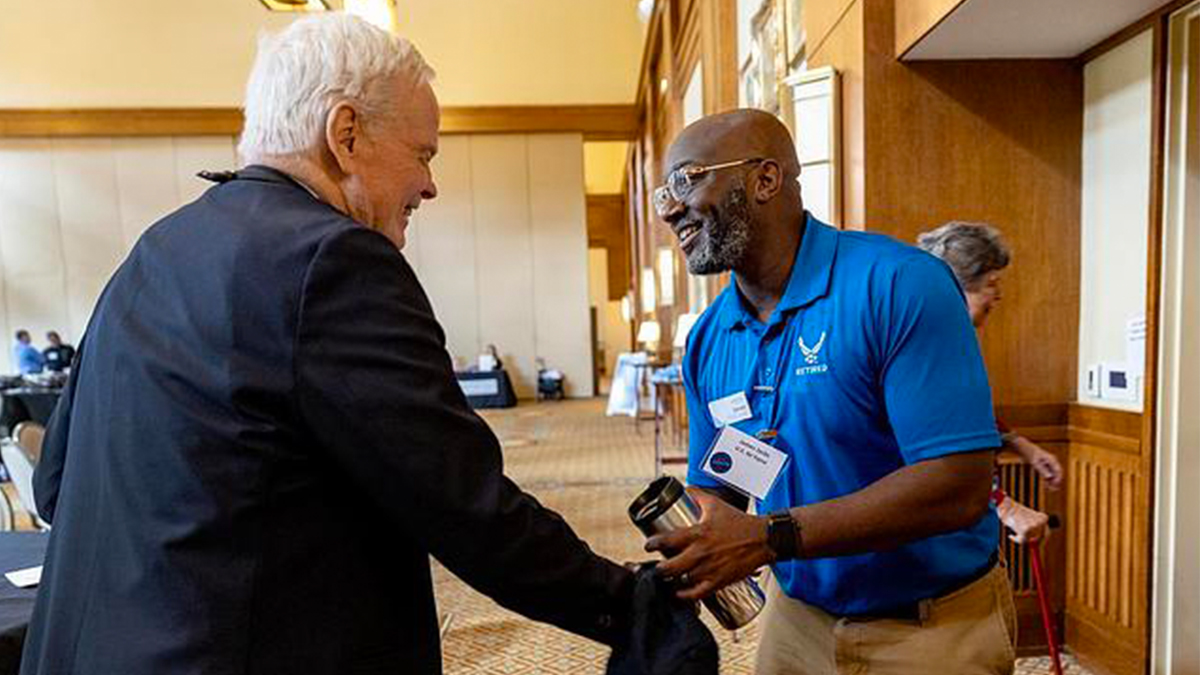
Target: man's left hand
[(726, 546)]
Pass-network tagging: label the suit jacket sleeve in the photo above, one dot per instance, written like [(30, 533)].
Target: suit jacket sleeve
[(376, 388), (47, 476)]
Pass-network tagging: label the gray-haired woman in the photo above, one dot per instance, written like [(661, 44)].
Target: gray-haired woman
[(978, 256)]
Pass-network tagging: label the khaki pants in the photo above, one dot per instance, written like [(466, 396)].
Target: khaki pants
[(971, 631)]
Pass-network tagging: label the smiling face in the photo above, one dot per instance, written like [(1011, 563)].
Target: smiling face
[(719, 194), (391, 172), (714, 235), (707, 208)]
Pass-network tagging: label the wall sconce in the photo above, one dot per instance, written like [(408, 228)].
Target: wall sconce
[(296, 5)]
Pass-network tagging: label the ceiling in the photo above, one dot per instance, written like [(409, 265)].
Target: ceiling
[(1021, 29)]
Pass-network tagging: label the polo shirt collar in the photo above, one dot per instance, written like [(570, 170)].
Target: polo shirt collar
[(809, 280)]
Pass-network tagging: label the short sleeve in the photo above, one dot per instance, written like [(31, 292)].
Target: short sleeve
[(934, 383)]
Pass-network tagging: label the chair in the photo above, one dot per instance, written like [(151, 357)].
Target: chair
[(7, 521), (28, 437), (20, 469)]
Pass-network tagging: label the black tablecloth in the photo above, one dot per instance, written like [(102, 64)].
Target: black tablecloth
[(18, 550), (491, 389), (27, 404)]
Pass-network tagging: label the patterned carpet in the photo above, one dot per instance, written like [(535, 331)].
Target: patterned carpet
[(587, 467)]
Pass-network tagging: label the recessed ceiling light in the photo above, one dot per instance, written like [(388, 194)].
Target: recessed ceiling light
[(296, 5)]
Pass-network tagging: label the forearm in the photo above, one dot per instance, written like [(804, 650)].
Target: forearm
[(915, 502)]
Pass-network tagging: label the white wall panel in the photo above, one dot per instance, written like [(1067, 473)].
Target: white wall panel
[(37, 303), (146, 183), (85, 176), (502, 251), (30, 239), (445, 245), (199, 153), (1115, 203), (500, 182), (558, 218)]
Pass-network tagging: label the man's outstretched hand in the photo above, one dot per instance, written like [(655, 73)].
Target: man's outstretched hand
[(727, 545)]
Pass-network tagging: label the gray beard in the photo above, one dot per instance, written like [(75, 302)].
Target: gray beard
[(725, 238)]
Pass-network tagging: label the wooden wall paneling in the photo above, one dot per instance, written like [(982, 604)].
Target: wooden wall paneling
[(441, 239), (607, 229), (558, 227), (1154, 264), (916, 18), (500, 180), (823, 17), (995, 141), (1046, 425), (842, 47), (1107, 592), (718, 40)]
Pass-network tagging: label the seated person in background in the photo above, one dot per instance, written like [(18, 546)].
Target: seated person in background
[(59, 354), (28, 359), (978, 256)]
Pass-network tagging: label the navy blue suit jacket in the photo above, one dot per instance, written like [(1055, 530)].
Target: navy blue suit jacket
[(261, 444)]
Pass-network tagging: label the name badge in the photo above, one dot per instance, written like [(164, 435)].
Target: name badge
[(731, 409), (744, 463)]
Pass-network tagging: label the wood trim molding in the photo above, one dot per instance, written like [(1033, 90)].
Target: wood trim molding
[(595, 122), (121, 122), (616, 122), (1150, 20)]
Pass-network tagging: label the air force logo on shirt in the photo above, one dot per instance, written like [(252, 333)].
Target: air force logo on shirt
[(812, 357)]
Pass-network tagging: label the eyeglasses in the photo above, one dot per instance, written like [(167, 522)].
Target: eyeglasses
[(682, 181)]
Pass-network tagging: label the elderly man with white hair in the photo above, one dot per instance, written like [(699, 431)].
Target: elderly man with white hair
[(263, 441)]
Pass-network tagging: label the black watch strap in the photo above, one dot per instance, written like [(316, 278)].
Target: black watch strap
[(783, 536)]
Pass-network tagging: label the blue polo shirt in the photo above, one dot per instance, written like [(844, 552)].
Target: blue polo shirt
[(868, 363)]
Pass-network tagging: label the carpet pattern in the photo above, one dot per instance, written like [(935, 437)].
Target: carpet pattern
[(587, 467)]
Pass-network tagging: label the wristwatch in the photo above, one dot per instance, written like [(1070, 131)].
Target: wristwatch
[(783, 536)]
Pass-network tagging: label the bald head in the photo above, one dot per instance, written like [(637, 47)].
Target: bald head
[(730, 195), (738, 134)]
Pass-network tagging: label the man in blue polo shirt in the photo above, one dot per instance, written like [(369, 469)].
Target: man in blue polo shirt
[(838, 382)]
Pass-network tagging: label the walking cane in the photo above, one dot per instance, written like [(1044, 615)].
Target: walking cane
[(1035, 559)]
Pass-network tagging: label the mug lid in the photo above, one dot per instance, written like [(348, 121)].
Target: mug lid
[(655, 500)]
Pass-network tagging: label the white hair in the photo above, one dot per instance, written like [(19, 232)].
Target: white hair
[(305, 70)]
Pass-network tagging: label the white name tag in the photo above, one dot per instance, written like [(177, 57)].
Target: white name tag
[(744, 463), (24, 578), (731, 409)]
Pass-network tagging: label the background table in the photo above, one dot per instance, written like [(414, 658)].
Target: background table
[(17, 550), (27, 403), (487, 389)]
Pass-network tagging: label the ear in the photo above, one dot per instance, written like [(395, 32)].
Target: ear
[(768, 181), (343, 134)]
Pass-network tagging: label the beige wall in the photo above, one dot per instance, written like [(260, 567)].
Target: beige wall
[(502, 252), (604, 166), (70, 209), (150, 53), (1115, 204)]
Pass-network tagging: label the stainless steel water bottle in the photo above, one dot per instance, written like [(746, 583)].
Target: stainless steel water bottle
[(665, 506)]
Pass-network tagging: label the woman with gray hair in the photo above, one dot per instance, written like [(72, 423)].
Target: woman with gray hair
[(978, 256)]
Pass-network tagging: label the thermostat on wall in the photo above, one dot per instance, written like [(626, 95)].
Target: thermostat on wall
[(1117, 383)]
